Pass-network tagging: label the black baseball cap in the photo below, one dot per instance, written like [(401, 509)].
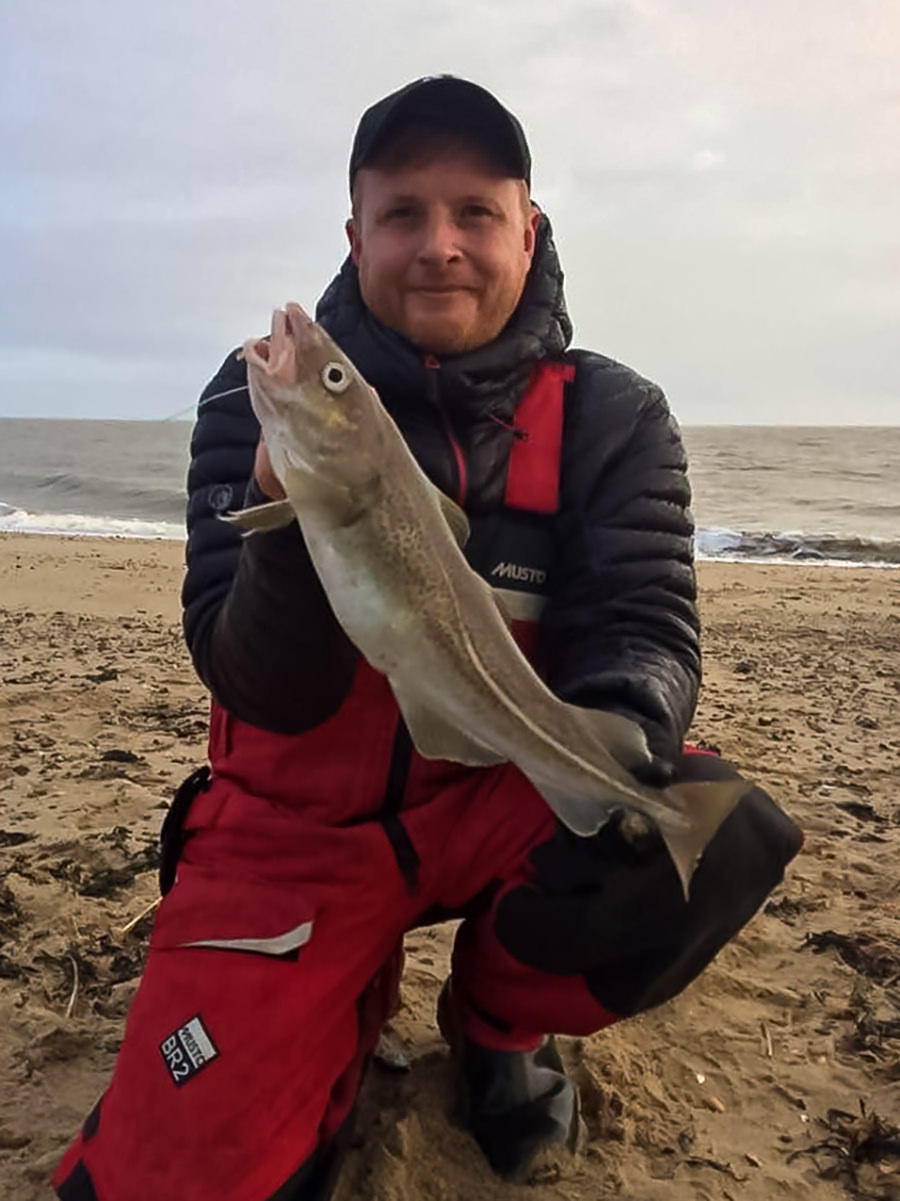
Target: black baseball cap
[(445, 103)]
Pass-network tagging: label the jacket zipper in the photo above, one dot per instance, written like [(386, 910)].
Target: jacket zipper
[(433, 366)]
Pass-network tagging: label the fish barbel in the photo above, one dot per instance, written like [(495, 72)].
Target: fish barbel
[(386, 546)]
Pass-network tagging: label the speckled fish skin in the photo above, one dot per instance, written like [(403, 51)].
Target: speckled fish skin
[(379, 534)]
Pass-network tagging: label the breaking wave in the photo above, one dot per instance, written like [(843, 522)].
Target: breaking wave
[(763, 547), (714, 543), (19, 521)]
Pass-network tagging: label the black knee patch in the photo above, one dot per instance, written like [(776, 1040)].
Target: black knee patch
[(78, 1186), (316, 1178), (172, 836), (616, 915), (92, 1122)]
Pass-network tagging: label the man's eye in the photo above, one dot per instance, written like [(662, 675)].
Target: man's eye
[(477, 211), (400, 213)]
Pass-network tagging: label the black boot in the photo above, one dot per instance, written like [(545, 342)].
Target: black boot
[(515, 1103)]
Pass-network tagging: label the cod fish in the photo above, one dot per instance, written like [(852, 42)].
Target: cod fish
[(386, 545)]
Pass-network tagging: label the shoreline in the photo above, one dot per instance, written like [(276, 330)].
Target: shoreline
[(102, 717), (700, 558)]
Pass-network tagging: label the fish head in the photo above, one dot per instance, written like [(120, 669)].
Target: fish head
[(319, 417)]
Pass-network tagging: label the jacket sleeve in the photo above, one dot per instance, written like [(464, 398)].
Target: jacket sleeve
[(258, 625), (621, 631)]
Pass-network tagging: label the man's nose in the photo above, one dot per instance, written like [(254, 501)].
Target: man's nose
[(440, 240)]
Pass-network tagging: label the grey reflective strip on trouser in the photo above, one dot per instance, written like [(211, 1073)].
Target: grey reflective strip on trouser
[(281, 944), (520, 606)]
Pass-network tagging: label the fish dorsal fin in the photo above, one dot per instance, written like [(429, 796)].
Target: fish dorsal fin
[(455, 518), (435, 738), (271, 516)]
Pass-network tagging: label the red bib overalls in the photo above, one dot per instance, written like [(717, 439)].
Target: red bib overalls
[(276, 954)]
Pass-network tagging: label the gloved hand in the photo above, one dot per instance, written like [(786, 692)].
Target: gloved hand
[(657, 773), (660, 769), (591, 899)]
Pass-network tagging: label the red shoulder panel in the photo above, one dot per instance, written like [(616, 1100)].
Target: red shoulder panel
[(533, 479)]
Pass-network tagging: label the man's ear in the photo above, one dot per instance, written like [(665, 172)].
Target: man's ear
[(531, 230), (353, 239)]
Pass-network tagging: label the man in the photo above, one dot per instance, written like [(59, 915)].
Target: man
[(294, 867)]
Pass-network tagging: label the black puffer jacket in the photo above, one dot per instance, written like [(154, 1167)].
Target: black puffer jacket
[(620, 630)]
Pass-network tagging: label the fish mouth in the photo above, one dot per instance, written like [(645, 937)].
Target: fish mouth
[(297, 322), (293, 334), (304, 335)]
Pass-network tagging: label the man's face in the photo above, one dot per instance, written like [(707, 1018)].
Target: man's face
[(443, 248)]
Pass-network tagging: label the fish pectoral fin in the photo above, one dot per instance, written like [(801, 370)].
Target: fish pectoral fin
[(435, 738), (455, 518), (273, 515), (704, 805)]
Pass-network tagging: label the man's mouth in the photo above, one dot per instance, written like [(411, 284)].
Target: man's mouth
[(441, 289)]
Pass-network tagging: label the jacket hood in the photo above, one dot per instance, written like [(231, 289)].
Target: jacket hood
[(490, 379)]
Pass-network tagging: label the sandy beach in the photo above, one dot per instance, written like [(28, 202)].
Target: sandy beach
[(776, 1075)]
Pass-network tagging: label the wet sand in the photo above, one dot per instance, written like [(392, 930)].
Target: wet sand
[(733, 1090)]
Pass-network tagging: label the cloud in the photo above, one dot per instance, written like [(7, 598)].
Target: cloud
[(723, 180), (707, 160)]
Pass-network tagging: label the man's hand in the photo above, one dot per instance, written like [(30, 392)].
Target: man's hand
[(265, 476)]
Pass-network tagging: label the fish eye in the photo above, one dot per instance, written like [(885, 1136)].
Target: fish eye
[(336, 377)]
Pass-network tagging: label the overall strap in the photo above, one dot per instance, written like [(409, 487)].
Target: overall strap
[(532, 482)]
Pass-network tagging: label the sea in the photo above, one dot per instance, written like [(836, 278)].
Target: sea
[(821, 494)]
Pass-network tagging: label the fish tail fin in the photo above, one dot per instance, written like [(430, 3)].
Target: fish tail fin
[(704, 804)]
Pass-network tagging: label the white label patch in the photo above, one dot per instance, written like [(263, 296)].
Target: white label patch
[(188, 1050)]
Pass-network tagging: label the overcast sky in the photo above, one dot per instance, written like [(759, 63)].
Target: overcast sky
[(723, 177)]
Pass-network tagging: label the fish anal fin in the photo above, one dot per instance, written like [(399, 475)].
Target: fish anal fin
[(620, 736), (435, 738), (704, 804), (503, 609), (582, 815), (455, 518), (273, 515)]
